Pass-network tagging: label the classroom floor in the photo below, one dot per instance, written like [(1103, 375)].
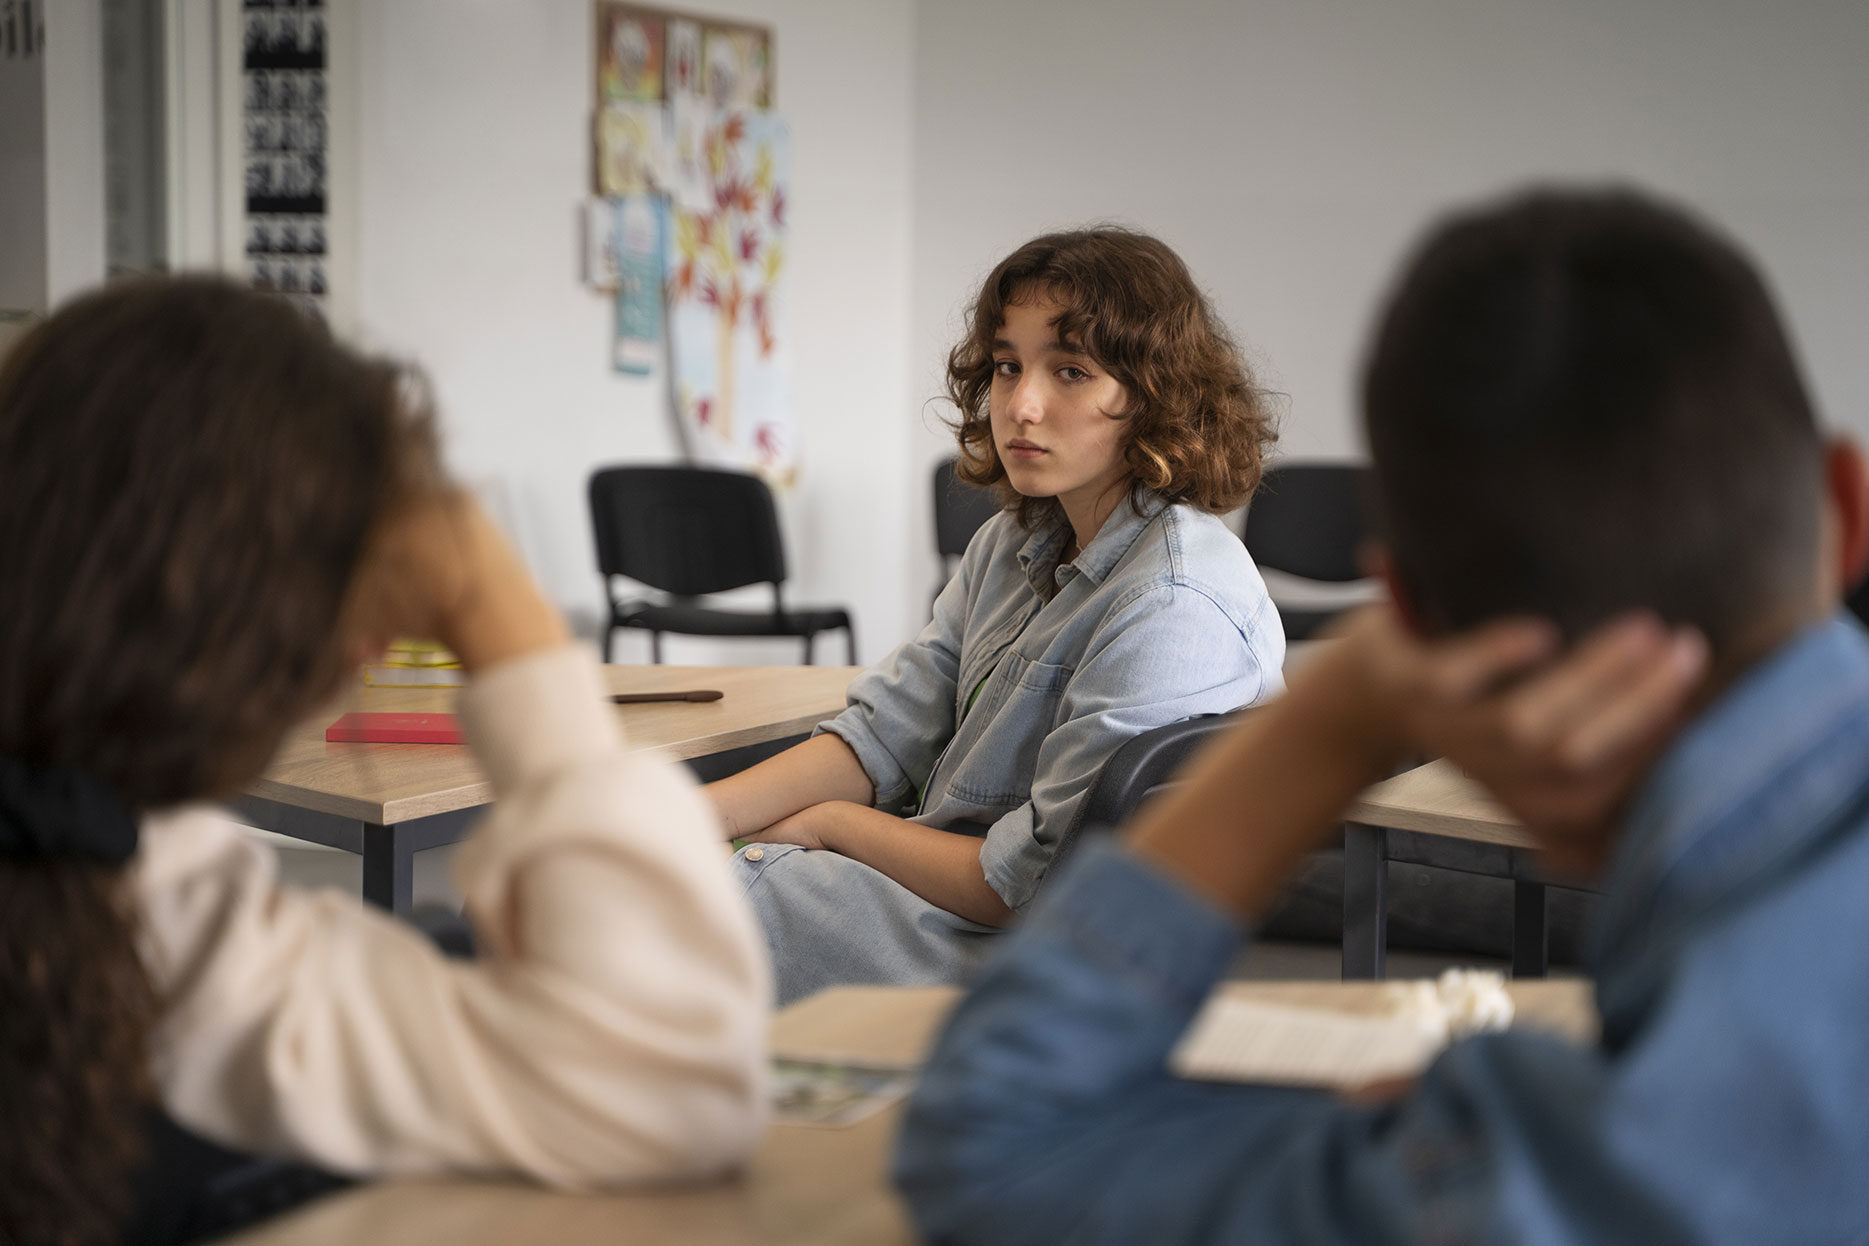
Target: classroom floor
[(307, 865)]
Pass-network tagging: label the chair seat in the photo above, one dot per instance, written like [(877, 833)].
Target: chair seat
[(689, 620)]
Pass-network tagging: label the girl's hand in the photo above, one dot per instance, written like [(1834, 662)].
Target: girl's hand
[(441, 570), (805, 828)]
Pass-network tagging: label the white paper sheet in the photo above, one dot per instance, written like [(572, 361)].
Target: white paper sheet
[(1235, 1040), (1238, 1039)]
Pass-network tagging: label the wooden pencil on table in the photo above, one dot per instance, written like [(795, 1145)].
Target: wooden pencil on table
[(638, 698)]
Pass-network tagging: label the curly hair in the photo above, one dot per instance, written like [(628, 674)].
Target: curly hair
[(1200, 428), (193, 472)]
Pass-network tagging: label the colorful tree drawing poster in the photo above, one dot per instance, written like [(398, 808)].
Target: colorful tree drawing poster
[(731, 377)]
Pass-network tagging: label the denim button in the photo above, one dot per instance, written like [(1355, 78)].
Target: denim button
[(755, 854)]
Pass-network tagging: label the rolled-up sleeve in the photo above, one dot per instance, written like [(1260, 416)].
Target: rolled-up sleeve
[(1168, 653), (612, 1031), (901, 711)]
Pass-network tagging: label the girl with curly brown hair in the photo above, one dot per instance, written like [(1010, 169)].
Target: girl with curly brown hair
[(1099, 393), (211, 509)]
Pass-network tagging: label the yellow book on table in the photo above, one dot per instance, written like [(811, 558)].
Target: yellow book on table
[(385, 675), (417, 653)]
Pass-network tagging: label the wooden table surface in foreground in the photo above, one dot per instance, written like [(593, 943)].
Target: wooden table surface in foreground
[(806, 1186), (390, 783)]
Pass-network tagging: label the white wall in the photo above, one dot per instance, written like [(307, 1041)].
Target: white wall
[(74, 148), (22, 186), (52, 163), (474, 157), (1290, 149)]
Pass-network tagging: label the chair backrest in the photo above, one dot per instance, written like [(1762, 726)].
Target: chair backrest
[(1139, 767), (1310, 519), (960, 509), (1858, 601), (686, 530)]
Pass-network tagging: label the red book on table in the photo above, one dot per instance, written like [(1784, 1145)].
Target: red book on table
[(396, 729)]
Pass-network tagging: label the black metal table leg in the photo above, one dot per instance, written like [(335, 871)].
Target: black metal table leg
[(389, 866), (388, 851), (1531, 935), (1365, 901)]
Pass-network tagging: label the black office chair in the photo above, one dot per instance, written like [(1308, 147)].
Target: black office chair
[(690, 531), (960, 509), (1309, 520), (188, 1189), (1146, 764), (1369, 851), (1140, 767), (1858, 601)]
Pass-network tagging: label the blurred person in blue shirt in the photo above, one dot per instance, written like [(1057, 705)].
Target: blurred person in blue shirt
[(1615, 541)]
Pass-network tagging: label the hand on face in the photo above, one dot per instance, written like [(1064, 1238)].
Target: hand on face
[(1560, 737), (441, 570)]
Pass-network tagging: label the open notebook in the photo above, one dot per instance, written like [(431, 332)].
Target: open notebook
[(1240, 1038)]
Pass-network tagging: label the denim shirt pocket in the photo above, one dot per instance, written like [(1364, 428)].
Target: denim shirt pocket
[(998, 743)]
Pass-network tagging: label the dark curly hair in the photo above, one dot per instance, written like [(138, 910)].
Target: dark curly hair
[(192, 474), (1199, 427)]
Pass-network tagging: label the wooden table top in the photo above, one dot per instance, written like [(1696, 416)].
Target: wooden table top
[(1438, 799), (807, 1186), (388, 783)]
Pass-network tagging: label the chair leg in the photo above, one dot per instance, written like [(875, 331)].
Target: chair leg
[(1365, 901), (610, 640), (850, 641), (655, 647), (1531, 934), (808, 640)]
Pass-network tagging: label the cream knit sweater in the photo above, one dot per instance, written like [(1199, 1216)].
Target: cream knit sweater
[(612, 1031)]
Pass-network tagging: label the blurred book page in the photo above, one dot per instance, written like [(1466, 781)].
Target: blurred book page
[(1236, 1040), (808, 1093)]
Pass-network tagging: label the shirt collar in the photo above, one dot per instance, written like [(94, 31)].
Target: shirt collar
[(1757, 778), (1038, 557)]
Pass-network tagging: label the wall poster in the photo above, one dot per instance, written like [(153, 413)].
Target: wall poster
[(731, 375), (641, 239), (285, 124), (687, 151)]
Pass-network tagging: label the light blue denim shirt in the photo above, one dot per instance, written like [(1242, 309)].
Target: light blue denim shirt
[(1161, 618), (996, 719), (1726, 1102)]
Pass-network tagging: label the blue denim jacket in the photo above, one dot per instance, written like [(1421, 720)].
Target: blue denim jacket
[(1162, 617), (1727, 1101)]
